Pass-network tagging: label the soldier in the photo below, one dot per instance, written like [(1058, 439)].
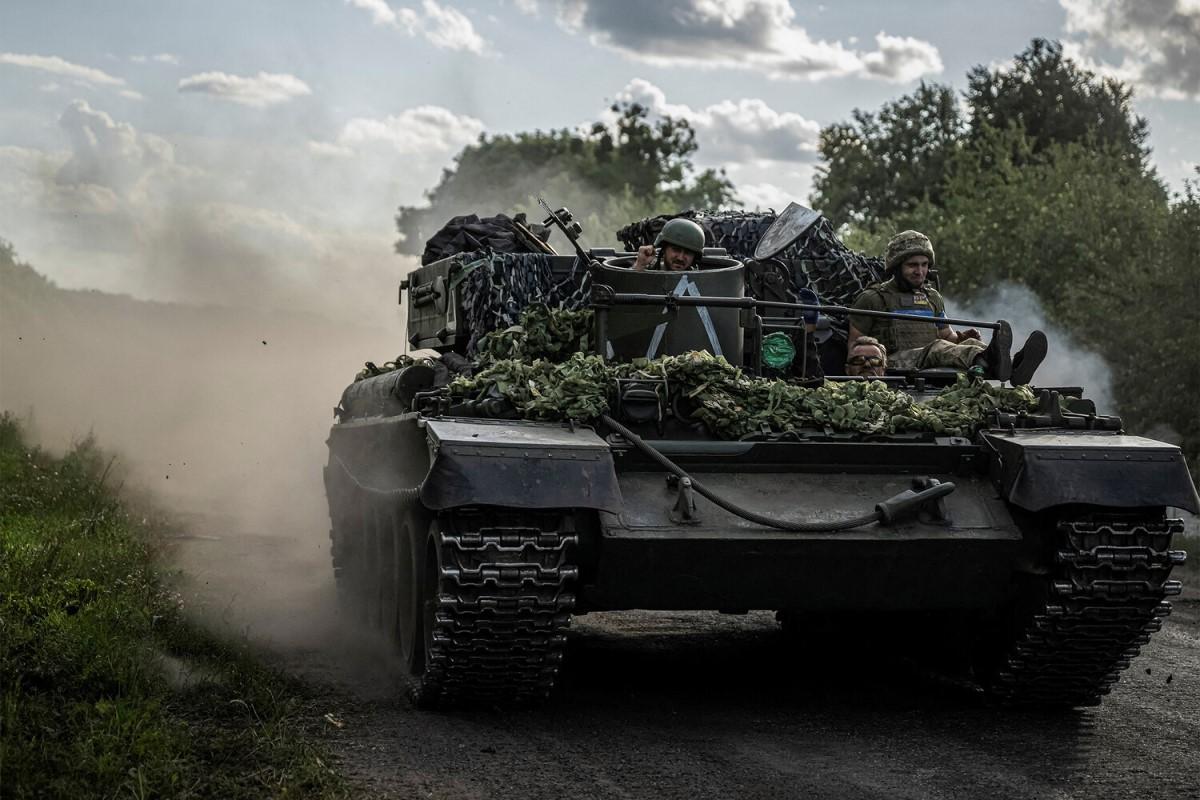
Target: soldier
[(867, 358), (915, 345), (682, 243)]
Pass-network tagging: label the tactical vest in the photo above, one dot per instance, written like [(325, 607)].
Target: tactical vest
[(903, 334)]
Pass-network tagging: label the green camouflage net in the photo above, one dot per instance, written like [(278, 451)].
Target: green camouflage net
[(371, 369), (733, 404), (542, 333)]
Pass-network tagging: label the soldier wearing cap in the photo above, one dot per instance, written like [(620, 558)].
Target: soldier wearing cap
[(682, 243), (913, 344)]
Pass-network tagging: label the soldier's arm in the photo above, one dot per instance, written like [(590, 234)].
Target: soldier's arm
[(865, 326), (944, 331)]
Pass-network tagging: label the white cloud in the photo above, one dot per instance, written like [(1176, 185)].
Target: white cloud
[(1158, 43), (902, 58), (770, 155), (761, 196), (421, 130), (130, 94), (442, 26), (108, 154), (159, 58), (759, 35), (259, 91), (448, 28), (381, 13), (330, 150), (735, 130), (58, 66), (225, 221)]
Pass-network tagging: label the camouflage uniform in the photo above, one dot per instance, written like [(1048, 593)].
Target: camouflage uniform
[(911, 344)]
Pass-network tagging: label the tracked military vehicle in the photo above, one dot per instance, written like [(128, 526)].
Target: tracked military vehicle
[(472, 523)]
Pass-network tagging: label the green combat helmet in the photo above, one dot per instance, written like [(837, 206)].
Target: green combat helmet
[(905, 244), (682, 233)]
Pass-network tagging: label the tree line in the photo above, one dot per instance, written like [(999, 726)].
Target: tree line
[(1040, 177), (1037, 173)]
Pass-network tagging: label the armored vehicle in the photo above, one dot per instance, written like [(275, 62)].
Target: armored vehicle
[(479, 501)]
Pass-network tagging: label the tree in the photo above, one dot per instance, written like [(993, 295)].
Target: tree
[(1107, 252), (1055, 101), (636, 166), (884, 164), (1159, 385), (1046, 184), (1078, 226), (887, 163)]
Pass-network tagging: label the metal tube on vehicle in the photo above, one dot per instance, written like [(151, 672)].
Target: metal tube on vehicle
[(750, 302)]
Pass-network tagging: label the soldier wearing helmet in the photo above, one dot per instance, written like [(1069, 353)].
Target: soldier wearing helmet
[(912, 344), (682, 244)]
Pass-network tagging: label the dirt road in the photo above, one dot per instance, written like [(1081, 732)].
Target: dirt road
[(703, 705), (691, 706)]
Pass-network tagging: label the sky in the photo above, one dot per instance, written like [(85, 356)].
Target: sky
[(254, 153)]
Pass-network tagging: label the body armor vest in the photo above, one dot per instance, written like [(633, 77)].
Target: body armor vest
[(903, 334)]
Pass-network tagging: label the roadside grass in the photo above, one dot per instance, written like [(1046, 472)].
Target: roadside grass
[(106, 688)]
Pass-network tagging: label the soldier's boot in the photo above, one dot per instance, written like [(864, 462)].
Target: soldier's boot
[(996, 361), (1028, 359)]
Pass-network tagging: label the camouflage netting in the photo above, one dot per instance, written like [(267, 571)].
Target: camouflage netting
[(731, 403), (542, 333), (499, 286), (835, 272)]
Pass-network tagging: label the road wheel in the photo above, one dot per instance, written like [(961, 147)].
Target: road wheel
[(349, 549), (426, 688), (403, 598), (373, 567)]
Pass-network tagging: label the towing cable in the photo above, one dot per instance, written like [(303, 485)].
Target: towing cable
[(889, 511)]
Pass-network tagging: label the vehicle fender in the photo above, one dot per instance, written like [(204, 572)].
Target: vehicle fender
[(518, 464), (1039, 470)]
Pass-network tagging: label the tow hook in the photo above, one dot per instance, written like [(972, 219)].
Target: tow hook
[(924, 500), (684, 512)]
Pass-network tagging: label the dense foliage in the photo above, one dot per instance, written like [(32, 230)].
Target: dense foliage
[(887, 162), (608, 175)]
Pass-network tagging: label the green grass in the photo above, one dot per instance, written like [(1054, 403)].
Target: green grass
[(91, 643)]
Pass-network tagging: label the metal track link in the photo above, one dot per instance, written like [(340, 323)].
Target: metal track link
[(504, 601), (1106, 598)]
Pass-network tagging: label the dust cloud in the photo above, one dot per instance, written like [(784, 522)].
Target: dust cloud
[(219, 414), (1067, 363)]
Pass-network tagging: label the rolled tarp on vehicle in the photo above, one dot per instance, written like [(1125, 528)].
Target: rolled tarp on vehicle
[(651, 331)]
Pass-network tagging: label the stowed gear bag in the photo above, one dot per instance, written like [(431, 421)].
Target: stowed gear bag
[(499, 234)]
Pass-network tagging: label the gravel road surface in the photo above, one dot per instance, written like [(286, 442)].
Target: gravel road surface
[(703, 705)]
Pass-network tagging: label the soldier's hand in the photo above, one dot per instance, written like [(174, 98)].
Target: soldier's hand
[(969, 333), (645, 257)]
